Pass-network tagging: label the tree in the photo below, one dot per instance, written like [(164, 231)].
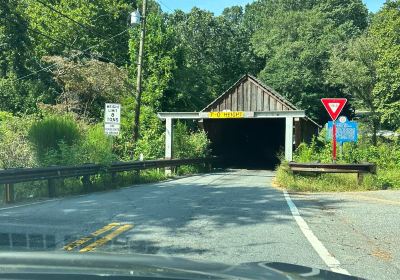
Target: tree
[(212, 54), (385, 31), (88, 85), (296, 40), (68, 26), (15, 43), (159, 65), (353, 67)]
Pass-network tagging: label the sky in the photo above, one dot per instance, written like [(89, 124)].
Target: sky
[(217, 6)]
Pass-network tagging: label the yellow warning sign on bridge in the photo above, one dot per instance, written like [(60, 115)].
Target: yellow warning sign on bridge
[(226, 115)]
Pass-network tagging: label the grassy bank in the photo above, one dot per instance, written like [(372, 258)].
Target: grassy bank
[(56, 139), (386, 154), (334, 182)]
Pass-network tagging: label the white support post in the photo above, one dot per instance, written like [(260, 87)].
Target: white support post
[(289, 139), (168, 142)]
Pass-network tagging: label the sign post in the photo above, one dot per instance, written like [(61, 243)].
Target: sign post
[(334, 141), (334, 106)]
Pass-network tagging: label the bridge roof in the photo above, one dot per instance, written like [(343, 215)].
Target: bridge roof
[(250, 94)]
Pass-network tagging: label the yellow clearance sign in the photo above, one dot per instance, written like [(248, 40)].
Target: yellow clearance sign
[(226, 115)]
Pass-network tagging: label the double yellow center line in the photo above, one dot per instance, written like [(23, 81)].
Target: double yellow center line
[(100, 242)]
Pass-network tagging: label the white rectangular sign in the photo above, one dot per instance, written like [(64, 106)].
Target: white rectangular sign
[(112, 113), (112, 129), (112, 119)]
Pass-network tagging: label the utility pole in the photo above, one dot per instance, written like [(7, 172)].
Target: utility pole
[(139, 75)]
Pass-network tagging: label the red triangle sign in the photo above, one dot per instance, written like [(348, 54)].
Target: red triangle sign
[(334, 106)]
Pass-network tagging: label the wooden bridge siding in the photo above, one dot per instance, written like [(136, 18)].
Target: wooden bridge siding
[(266, 103), (234, 100), (249, 96), (260, 99), (253, 97)]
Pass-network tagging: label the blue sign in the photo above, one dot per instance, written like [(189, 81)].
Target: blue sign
[(345, 131)]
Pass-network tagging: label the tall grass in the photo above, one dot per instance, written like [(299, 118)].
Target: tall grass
[(47, 134)]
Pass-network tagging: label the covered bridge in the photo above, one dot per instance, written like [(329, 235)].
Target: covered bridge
[(249, 124)]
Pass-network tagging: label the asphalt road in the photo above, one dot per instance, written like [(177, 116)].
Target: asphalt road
[(230, 217)]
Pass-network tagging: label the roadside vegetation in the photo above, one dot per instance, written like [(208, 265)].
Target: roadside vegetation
[(63, 140), (386, 155), (59, 64)]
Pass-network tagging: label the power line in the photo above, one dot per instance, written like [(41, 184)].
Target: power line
[(160, 2), (71, 47), (84, 26), (72, 56)]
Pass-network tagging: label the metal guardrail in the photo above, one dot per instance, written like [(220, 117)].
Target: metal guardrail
[(318, 168), (333, 168), (8, 177)]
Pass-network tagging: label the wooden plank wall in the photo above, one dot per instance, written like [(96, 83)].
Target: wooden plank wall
[(249, 96)]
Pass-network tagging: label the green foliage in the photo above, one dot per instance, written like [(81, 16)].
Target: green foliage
[(21, 97), (189, 144), (96, 147), (15, 43), (323, 182), (53, 135), (93, 146), (15, 149), (152, 141), (386, 154), (212, 53), (353, 67), (304, 49), (88, 85), (100, 20), (296, 41), (385, 31)]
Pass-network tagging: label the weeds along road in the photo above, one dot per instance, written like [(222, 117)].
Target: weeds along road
[(230, 217)]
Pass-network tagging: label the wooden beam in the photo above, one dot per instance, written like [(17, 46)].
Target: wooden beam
[(289, 139)]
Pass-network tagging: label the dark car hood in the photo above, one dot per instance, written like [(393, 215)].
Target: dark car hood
[(57, 265)]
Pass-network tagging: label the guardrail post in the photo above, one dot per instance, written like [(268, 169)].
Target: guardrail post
[(51, 184), (9, 193), (113, 177), (136, 176), (360, 178), (86, 183)]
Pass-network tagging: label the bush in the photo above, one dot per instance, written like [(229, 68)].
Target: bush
[(92, 147), (189, 144), (20, 97), (386, 155), (53, 134), (96, 147), (152, 138), (15, 150)]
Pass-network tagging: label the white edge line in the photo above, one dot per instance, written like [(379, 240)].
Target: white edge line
[(328, 259), (28, 204)]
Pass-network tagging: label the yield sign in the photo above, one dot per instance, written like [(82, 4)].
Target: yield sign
[(334, 106)]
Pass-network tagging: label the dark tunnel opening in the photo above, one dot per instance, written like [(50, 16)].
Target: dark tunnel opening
[(247, 143)]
